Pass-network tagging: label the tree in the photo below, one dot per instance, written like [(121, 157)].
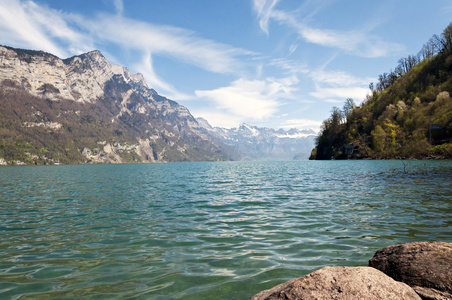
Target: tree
[(446, 39), (427, 51), (378, 139), (348, 108), (336, 116)]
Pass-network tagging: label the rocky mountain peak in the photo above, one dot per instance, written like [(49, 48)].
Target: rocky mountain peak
[(79, 78), (99, 113), (204, 123)]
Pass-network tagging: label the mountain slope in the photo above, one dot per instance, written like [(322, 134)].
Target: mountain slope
[(409, 118), (84, 110), (254, 143)]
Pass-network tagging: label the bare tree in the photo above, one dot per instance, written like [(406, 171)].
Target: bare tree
[(446, 39), (348, 108), (336, 116)]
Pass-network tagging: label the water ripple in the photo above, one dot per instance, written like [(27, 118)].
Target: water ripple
[(206, 230)]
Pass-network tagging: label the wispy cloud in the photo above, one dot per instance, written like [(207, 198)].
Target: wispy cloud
[(119, 5), (27, 24), (218, 118), (253, 99), (336, 86), (355, 42), (146, 68), (178, 43), (337, 78), (290, 66), (20, 26), (328, 94), (301, 123), (264, 9)]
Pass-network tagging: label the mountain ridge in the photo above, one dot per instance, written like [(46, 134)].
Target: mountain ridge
[(84, 110), (260, 143), (407, 115)]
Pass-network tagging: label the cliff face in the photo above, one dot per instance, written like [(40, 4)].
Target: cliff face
[(79, 78), (82, 109)]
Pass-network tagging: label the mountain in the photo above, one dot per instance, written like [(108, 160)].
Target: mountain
[(255, 143), (408, 115), (85, 110)]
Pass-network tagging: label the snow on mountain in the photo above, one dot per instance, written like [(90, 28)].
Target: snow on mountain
[(255, 143)]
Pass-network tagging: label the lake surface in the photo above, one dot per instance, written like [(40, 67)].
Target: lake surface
[(207, 230)]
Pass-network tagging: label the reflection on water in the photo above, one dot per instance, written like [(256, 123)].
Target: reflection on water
[(207, 230)]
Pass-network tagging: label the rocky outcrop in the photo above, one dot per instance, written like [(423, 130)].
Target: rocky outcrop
[(417, 270), (340, 283), (425, 266), (80, 78)]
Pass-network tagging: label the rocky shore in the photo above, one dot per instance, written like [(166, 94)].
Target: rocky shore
[(417, 270)]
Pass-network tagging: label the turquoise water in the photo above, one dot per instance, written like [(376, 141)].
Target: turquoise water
[(207, 230)]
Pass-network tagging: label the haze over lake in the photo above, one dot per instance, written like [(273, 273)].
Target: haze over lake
[(207, 230)]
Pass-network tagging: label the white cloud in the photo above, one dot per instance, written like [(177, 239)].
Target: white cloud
[(218, 118), (251, 99), (146, 68), (301, 123), (334, 101), (342, 93), (30, 25), (178, 43), (264, 9), (247, 100), (19, 28), (356, 42), (336, 86), (57, 25), (290, 66), (337, 78), (119, 5), (353, 42)]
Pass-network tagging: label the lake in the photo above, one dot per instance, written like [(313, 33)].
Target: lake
[(223, 230)]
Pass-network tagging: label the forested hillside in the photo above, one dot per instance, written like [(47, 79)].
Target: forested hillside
[(407, 114)]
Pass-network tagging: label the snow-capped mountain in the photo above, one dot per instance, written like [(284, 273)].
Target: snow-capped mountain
[(256, 143)]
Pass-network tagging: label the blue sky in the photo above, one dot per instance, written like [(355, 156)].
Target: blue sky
[(269, 63)]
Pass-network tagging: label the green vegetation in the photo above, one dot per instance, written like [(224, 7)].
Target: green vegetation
[(36, 130), (395, 119)]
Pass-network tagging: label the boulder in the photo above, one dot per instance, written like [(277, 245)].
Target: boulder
[(340, 283), (425, 266)]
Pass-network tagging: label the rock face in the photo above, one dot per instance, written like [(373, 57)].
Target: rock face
[(425, 266), (257, 143), (340, 283), (82, 109)]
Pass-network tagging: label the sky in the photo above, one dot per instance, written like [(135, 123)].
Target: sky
[(268, 63)]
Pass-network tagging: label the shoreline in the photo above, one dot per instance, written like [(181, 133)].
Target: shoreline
[(415, 270)]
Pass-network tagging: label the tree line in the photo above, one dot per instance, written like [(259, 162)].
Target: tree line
[(395, 122), (435, 45)]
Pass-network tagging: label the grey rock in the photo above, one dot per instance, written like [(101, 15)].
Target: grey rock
[(340, 283), (425, 266)]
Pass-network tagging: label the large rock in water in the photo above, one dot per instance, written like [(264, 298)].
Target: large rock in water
[(425, 266), (340, 283)]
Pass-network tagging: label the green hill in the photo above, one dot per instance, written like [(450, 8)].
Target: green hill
[(407, 115)]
